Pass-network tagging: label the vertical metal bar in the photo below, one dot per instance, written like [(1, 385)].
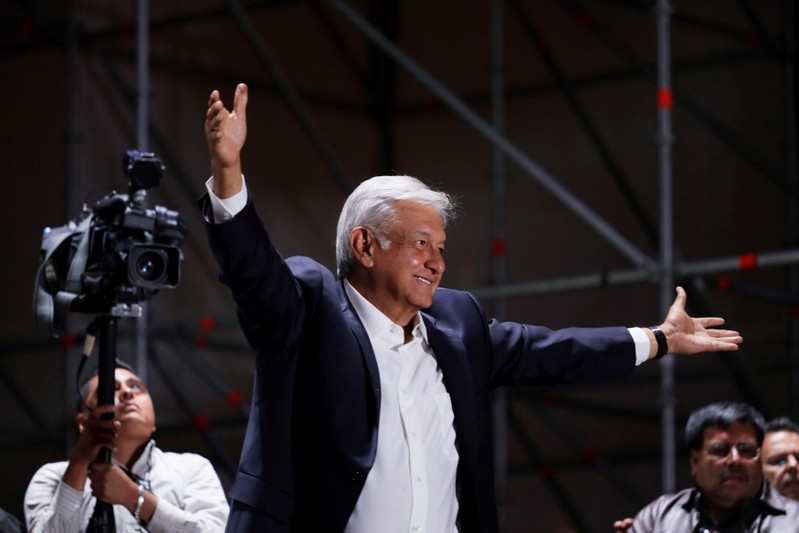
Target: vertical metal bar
[(71, 195), (142, 74), (793, 198), (498, 241), (665, 142), (142, 143)]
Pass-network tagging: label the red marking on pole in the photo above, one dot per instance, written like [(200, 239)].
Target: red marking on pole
[(499, 247), (68, 340), (665, 100), (208, 323), (589, 453), (549, 398), (201, 422), (723, 283), (793, 311), (747, 262), (201, 340), (235, 398)]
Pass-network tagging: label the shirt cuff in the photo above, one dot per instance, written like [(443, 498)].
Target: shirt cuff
[(227, 208), (642, 345)]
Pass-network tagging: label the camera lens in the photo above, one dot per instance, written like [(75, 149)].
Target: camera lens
[(150, 265), (153, 266)]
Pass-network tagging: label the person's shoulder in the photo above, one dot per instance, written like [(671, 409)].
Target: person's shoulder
[(663, 508), (779, 503), (445, 295), (309, 271), (454, 306), (176, 459), (791, 508), (51, 470)]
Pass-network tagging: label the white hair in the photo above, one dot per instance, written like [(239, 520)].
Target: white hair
[(371, 205)]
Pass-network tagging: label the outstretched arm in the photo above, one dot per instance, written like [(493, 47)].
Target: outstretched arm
[(687, 335), (225, 133)]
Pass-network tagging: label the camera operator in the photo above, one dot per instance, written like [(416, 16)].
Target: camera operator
[(151, 490)]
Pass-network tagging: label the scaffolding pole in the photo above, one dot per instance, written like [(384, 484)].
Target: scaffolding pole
[(498, 247), (609, 278), (793, 198), (665, 141), (142, 144)]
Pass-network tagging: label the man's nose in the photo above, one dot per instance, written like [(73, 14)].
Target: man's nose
[(125, 392), (734, 455), (792, 461), (435, 262)]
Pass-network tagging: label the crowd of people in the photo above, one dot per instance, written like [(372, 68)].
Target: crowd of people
[(372, 396)]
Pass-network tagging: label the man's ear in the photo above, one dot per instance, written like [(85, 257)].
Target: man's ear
[(362, 242), (80, 419), (693, 459)]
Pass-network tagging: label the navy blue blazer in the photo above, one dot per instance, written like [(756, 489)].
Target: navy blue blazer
[(312, 433)]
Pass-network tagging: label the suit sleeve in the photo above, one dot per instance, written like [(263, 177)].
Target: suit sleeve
[(514, 354), (534, 355), (267, 296)]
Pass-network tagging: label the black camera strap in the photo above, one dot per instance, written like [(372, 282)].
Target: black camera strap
[(50, 312)]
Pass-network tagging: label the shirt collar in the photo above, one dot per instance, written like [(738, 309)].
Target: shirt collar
[(374, 321), (143, 464)]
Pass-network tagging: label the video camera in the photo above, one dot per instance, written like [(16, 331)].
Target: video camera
[(112, 257)]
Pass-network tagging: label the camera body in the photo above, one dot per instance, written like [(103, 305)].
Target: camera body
[(113, 257), (133, 252)]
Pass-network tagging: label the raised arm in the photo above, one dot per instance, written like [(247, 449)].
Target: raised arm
[(687, 335), (225, 133)]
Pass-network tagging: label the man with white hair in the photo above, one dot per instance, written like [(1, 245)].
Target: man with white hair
[(372, 402)]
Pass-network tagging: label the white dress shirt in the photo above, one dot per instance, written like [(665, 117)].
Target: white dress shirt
[(411, 487)]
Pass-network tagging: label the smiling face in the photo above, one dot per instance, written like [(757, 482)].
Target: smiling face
[(401, 278), (726, 481), (780, 459)]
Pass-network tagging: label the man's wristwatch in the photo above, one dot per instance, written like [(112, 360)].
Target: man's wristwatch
[(660, 337)]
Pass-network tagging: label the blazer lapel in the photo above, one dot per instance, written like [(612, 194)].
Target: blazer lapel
[(453, 359), (363, 340)]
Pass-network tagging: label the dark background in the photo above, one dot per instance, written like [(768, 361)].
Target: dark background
[(579, 92)]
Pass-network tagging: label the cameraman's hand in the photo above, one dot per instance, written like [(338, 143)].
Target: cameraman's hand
[(225, 133), (112, 485), (95, 432)]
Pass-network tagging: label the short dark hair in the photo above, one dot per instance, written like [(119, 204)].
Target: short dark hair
[(83, 388), (782, 423), (721, 415)]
